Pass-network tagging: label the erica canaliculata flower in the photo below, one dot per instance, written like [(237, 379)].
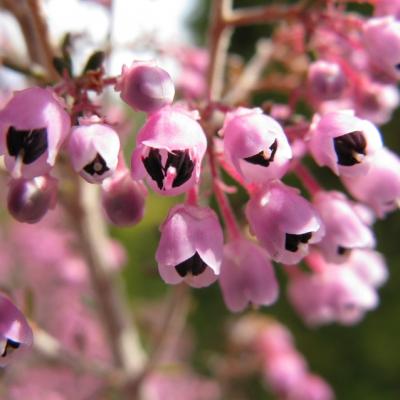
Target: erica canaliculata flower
[(169, 150), (33, 127), (344, 142), (247, 275), (14, 330), (93, 149), (284, 222), (190, 247), (255, 144)]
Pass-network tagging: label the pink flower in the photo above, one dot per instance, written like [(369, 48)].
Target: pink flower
[(343, 142), (336, 293), (382, 42), (14, 330), (93, 149), (387, 7), (123, 199), (33, 126), (284, 222), (344, 230), (311, 387), (247, 276), (326, 80), (380, 187), (169, 151), (145, 86), (190, 247), (28, 200), (256, 144)]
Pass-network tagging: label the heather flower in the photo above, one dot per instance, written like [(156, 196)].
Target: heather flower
[(340, 238), (380, 187), (93, 149), (190, 247), (326, 80), (284, 222), (311, 387), (256, 144), (382, 42), (337, 293), (14, 330), (344, 142), (145, 86), (169, 150), (247, 276), (387, 7), (33, 126), (123, 199), (28, 200)]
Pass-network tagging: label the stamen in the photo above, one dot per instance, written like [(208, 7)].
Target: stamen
[(97, 166), (264, 157), (350, 148), (10, 346), (293, 241), (193, 265)]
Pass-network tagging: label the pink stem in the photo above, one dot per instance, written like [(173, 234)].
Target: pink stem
[(307, 179)]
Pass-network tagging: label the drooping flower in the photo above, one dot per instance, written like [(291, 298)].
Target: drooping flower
[(169, 150), (256, 144), (190, 247), (145, 86), (247, 275), (28, 200), (93, 149), (344, 142), (33, 126), (380, 187), (123, 199), (284, 222), (14, 330), (340, 238)]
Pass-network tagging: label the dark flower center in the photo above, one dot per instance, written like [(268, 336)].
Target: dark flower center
[(292, 241), (97, 166), (342, 250), (29, 144), (193, 265), (349, 147), (261, 158), (10, 345), (179, 159)]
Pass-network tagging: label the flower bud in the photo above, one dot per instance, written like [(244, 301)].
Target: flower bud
[(256, 145), (93, 150), (123, 199), (33, 126), (190, 247), (169, 150), (145, 86), (28, 200)]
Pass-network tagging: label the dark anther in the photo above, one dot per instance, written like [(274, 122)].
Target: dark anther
[(97, 166), (193, 265), (10, 344), (30, 144), (292, 241), (154, 167), (260, 158), (397, 66), (183, 164), (342, 250), (349, 146)]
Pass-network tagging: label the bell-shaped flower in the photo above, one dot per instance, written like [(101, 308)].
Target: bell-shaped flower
[(336, 294), (33, 126), (190, 247), (169, 150), (387, 7), (123, 199), (93, 149), (28, 200), (311, 387), (326, 80), (344, 142), (344, 230), (145, 86), (247, 275), (380, 187), (284, 222), (382, 42), (255, 144), (14, 330)]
